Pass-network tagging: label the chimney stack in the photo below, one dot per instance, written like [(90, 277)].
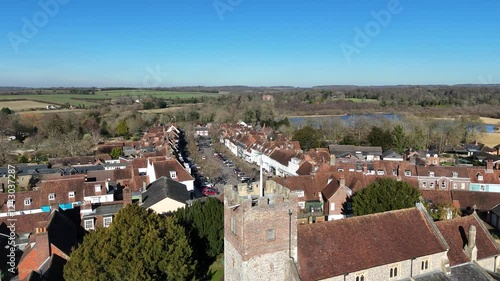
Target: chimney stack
[(365, 168), (489, 166), (471, 249), (127, 196), (332, 160), (342, 181)]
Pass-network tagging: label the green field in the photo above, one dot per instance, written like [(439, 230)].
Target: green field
[(52, 97), (358, 100)]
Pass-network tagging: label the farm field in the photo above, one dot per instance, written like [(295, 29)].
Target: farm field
[(58, 99), (490, 139), (22, 105), (51, 97)]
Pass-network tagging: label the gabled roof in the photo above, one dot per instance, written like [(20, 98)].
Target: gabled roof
[(164, 188), (392, 154), (483, 201), (163, 169), (327, 249), (456, 234)]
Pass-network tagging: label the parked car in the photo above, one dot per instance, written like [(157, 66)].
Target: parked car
[(210, 191), (245, 179)]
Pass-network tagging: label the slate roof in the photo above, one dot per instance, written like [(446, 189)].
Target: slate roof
[(164, 188), (465, 272), (105, 209), (339, 149), (456, 232), (391, 154), (338, 247)]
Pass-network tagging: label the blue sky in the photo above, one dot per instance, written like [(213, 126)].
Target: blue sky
[(251, 42)]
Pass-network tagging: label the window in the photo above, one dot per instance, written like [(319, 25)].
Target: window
[(393, 272), (89, 224), (97, 188), (380, 172), (394, 172), (300, 193), (443, 184), (302, 204), (27, 201), (424, 265), (434, 162), (173, 174), (431, 174), (233, 226), (424, 184), (71, 194), (431, 184), (479, 177), (455, 186), (52, 196), (270, 235), (455, 174), (340, 169), (107, 221), (332, 206), (360, 277), (407, 173)]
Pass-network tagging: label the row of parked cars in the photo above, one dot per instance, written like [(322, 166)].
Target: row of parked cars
[(241, 175), (224, 160)]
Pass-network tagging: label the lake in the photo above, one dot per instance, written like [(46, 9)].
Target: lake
[(316, 121)]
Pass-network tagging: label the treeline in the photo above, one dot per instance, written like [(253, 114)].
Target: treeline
[(407, 132)]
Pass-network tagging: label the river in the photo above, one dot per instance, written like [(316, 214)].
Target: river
[(316, 121)]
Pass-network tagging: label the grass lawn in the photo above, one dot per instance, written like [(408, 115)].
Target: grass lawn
[(216, 270)]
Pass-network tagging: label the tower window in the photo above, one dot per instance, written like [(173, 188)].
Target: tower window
[(425, 265), (270, 235), (233, 226)]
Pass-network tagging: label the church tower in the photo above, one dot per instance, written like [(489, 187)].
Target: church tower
[(260, 234)]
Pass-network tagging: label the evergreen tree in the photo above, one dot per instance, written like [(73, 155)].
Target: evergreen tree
[(384, 195), (308, 138), (139, 245)]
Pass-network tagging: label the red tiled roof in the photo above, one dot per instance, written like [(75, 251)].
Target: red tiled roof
[(456, 233), (26, 223), (338, 247), (163, 168), (437, 196), (483, 201)]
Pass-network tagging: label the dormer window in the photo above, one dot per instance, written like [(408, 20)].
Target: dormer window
[(479, 177), (173, 174), (97, 188), (71, 194), (431, 174), (407, 173), (27, 201), (380, 172), (340, 169), (52, 196), (300, 193), (455, 174)]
